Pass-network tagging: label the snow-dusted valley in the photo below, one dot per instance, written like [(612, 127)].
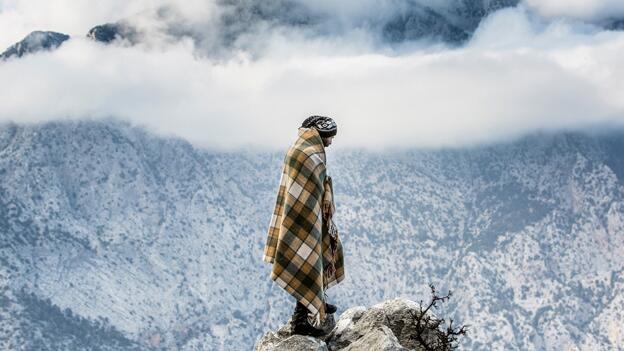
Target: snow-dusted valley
[(112, 238)]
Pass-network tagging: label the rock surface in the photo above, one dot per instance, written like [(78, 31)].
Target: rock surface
[(386, 326), (283, 339), (109, 32)]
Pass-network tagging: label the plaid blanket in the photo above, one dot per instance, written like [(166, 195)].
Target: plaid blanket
[(303, 246)]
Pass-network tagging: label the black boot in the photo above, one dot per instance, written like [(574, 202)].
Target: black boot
[(300, 324), (329, 308)]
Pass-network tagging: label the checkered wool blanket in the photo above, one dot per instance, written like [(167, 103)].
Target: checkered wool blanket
[(303, 246)]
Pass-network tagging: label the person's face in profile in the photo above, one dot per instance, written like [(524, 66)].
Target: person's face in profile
[(327, 141)]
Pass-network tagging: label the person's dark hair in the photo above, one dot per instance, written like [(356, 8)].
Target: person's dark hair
[(325, 125)]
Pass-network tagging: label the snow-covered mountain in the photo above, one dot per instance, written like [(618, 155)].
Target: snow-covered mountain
[(34, 42), (148, 242), (452, 23), (241, 24)]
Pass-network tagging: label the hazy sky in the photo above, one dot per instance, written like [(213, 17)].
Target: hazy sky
[(541, 66)]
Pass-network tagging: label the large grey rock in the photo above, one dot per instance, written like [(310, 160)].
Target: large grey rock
[(283, 339), (381, 339), (388, 326), (271, 342)]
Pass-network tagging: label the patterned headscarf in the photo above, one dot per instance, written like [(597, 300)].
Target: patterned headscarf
[(325, 125)]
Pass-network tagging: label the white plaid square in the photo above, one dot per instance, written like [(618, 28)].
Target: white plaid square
[(304, 251), (295, 189)]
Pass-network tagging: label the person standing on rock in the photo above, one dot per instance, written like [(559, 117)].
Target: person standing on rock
[(303, 243)]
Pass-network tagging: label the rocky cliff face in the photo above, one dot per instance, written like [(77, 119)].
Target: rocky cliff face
[(388, 326)]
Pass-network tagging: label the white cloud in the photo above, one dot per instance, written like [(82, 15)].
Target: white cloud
[(580, 9), (76, 17), (519, 74)]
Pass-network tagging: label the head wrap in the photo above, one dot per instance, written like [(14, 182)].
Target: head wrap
[(325, 125)]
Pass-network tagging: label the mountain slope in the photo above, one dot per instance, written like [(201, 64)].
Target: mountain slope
[(164, 240)]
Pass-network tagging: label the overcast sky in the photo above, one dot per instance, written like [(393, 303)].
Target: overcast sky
[(541, 66)]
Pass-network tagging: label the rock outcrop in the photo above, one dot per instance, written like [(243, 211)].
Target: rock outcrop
[(109, 32), (388, 326)]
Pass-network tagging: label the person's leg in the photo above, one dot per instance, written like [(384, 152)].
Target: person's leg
[(300, 324), (300, 315)]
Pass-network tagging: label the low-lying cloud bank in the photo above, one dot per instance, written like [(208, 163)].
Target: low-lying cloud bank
[(520, 73), (592, 10)]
